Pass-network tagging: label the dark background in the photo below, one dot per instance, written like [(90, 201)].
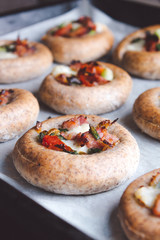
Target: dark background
[(135, 13)]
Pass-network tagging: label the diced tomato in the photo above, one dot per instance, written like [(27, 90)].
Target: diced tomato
[(87, 22), (78, 32), (75, 65), (156, 208), (4, 97), (64, 30), (53, 142), (74, 122), (62, 78), (88, 140)]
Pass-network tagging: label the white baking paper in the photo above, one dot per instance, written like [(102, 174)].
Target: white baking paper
[(95, 215)]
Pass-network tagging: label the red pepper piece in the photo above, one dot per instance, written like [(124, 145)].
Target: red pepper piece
[(156, 208), (64, 30), (53, 142)]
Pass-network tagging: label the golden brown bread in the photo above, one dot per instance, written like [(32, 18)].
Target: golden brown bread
[(146, 112), (139, 63), (66, 173), (19, 115), (25, 68), (137, 221), (85, 48), (88, 100)]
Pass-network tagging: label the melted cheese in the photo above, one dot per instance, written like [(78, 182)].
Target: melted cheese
[(80, 129), (60, 69), (108, 74), (75, 147), (7, 55), (99, 27), (147, 195), (137, 46)]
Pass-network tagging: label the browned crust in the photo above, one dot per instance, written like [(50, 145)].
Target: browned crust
[(146, 112), (137, 221), (17, 116), (25, 68), (143, 64), (84, 48), (65, 173), (87, 100)]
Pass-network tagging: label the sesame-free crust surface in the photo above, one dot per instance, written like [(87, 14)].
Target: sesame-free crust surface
[(146, 112), (18, 115), (66, 173), (139, 63), (88, 100), (27, 67), (137, 221), (85, 48)]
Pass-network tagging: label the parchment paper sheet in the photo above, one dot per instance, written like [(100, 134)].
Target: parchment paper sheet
[(95, 215)]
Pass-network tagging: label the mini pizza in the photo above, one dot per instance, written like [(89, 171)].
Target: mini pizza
[(139, 53), (80, 39), (21, 60), (139, 209), (89, 88), (76, 154), (18, 112), (146, 112)]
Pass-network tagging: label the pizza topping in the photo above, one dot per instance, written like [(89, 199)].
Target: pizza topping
[(78, 28), (86, 74), (149, 195), (5, 96), (150, 43), (18, 48), (77, 136)]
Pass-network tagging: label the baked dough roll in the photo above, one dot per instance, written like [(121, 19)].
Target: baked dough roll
[(18, 112), (139, 210), (21, 60), (139, 53), (146, 112), (79, 40), (76, 154), (89, 88)]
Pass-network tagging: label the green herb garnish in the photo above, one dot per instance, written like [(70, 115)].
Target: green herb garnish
[(61, 137), (41, 136), (92, 32), (63, 129), (94, 132), (3, 49), (136, 40), (158, 47), (93, 150)]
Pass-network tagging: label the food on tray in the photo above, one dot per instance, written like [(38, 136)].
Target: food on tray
[(139, 53), (146, 112), (81, 39), (90, 88), (21, 60), (76, 154), (18, 111), (139, 209)]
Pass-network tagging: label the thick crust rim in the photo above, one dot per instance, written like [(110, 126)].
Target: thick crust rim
[(138, 63), (84, 48), (17, 116), (25, 68), (87, 100), (146, 112), (136, 220), (75, 174)]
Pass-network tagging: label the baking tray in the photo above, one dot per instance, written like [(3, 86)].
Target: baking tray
[(94, 215)]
